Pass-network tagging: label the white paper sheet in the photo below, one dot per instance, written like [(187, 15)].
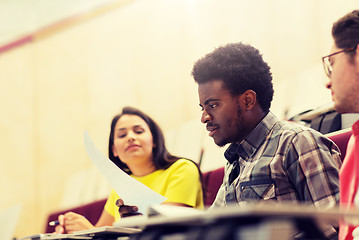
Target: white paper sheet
[(130, 190), (8, 221)]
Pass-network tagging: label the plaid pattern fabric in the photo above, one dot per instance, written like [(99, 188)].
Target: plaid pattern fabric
[(281, 161)]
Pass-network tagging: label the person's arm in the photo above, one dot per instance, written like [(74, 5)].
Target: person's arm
[(182, 186), (71, 222), (312, 164), (105, 219)]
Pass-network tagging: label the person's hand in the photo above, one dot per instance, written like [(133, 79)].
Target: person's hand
[(355, 233), (126, 210), (71, 222), (60, 229)]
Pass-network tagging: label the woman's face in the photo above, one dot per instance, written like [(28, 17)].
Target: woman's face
[(133, 142)]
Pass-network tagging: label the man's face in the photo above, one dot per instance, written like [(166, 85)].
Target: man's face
[(344, 82), (221, 113)]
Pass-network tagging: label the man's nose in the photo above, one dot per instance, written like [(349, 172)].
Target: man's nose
[(205, 117)]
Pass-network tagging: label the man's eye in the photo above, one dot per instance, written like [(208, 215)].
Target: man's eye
[(213, 105), (331, 61)]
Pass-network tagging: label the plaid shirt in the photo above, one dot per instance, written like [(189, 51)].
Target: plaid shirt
[(281, 161)]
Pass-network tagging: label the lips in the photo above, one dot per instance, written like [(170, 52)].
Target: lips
[(332, 95), (132, 146), (211, 129)]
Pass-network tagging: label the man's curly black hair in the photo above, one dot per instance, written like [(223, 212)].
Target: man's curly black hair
[(240, 67)]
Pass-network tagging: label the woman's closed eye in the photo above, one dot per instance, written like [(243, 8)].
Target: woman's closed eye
[(121, 135), (138, 130)]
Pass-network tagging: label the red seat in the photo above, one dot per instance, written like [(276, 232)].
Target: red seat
[(212, 180), (341, 138), (92, 211)]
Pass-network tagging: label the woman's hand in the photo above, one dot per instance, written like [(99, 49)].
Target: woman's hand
[(71, 222), (126, 210), (60, 229)]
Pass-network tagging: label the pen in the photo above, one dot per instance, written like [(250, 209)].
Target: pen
[(54, 223)]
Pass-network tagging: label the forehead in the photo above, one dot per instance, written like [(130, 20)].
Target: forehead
[(129, 121), (212, 90)]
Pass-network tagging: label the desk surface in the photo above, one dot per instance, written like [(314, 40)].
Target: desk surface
[(250, 210), (211, 217)]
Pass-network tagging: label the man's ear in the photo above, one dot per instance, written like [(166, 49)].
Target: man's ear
[(249, 99), (356, 61)]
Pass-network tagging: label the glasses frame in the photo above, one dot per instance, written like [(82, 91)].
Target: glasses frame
[(328, 68)]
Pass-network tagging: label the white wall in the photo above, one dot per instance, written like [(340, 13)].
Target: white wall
[(141, 54)]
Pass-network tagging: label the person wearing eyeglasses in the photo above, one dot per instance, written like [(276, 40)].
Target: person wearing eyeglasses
[(342, 69)]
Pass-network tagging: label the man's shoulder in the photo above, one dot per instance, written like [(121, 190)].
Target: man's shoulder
[(302, 136), (286, 128), (285, 131), (292, 128)]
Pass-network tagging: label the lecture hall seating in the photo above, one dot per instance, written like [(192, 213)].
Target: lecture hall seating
[(212, 180)]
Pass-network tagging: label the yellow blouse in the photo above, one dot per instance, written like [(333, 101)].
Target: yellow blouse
[(180, 183)]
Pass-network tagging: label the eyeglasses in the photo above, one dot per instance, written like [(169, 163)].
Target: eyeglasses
[(328, 67)]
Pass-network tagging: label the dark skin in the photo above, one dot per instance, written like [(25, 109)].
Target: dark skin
[(126, 210), (228, 118), (129, 210), (253, 112)]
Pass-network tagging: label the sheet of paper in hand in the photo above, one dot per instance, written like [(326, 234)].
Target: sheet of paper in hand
[(130, 190)]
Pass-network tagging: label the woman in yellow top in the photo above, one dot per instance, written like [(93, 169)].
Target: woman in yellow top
[(137, 146)]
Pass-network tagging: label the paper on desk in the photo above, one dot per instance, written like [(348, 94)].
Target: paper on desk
[(130, 190)]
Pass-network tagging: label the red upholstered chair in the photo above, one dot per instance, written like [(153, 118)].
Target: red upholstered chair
[(92, 211), (341, 138), (212, 180)]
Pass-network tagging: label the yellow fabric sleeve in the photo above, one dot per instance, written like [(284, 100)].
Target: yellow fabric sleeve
[(180, 183)]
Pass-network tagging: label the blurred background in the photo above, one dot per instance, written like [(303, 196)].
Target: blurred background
[(70, 66)]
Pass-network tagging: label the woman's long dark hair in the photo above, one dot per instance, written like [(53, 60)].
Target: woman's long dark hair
[(161, 157)]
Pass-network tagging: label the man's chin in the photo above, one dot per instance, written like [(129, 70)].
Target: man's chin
[(342, 109), (220, 142)]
